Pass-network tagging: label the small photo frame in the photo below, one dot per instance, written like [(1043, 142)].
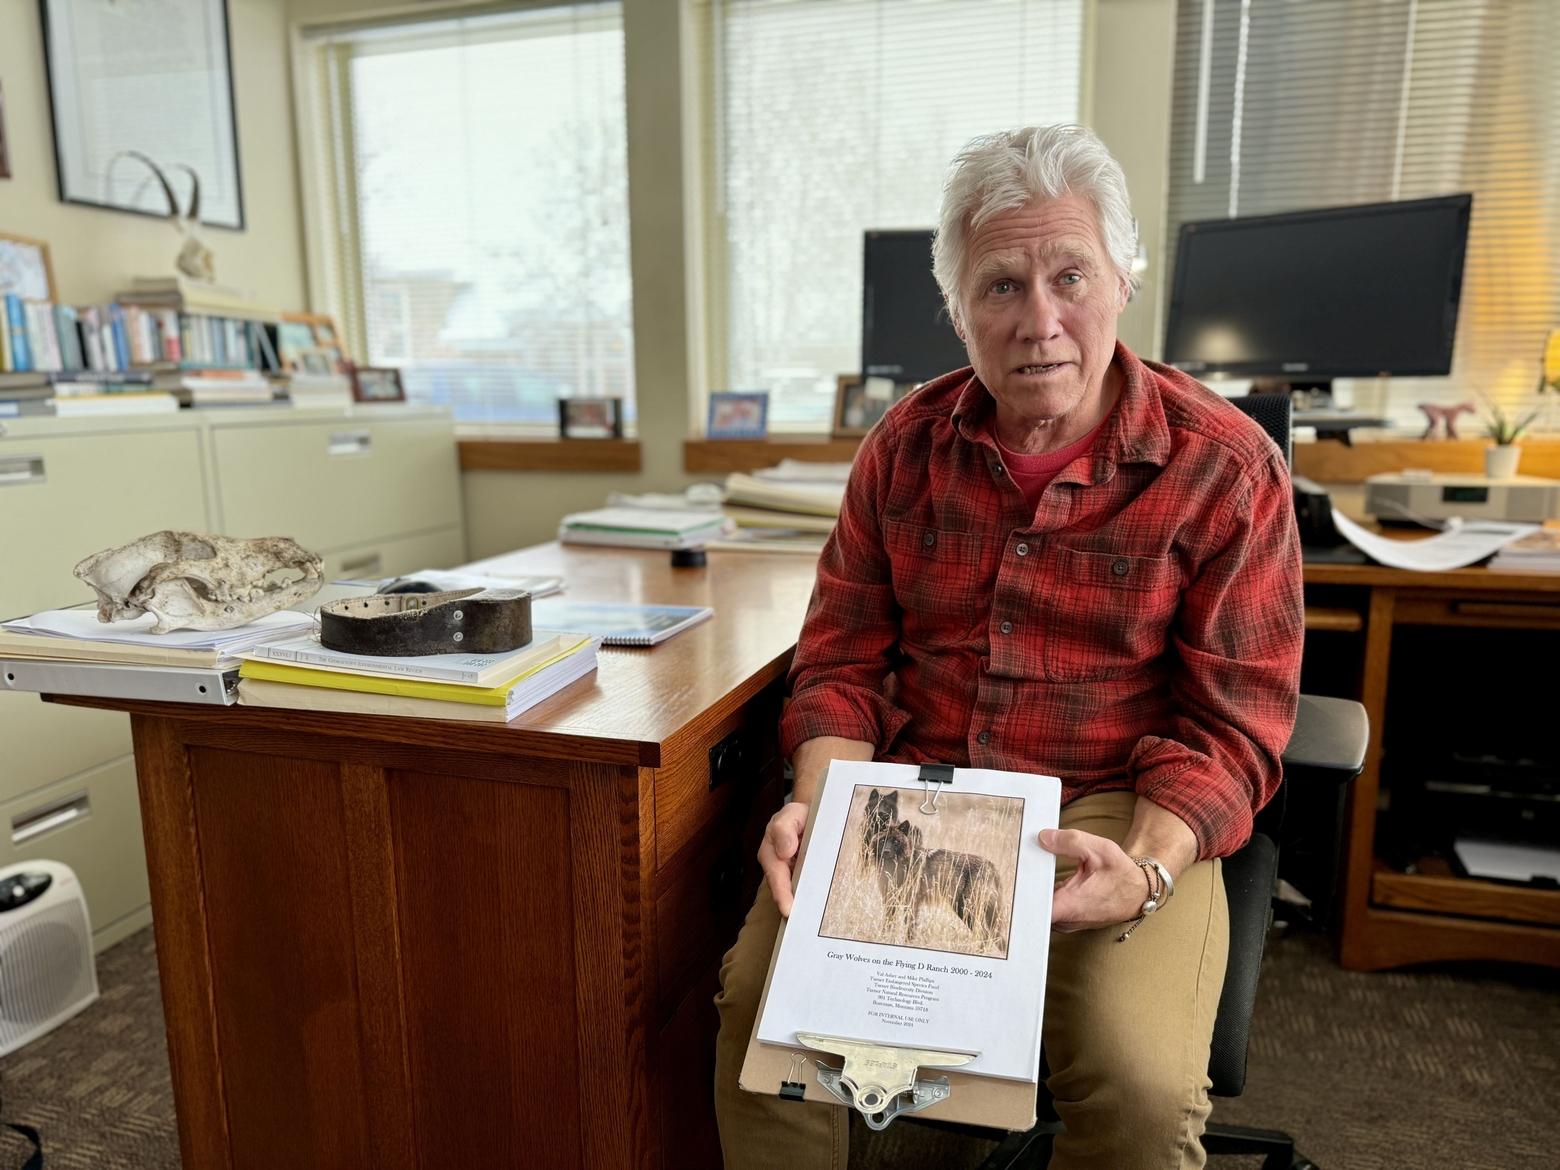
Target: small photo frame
[(859, 402), (738, 414), (298, 332), (25, 268), (376, 384), (590, 418)]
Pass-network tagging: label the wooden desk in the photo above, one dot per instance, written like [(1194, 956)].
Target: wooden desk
[(398, 943), (1389, 918)]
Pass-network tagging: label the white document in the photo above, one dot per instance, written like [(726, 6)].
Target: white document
[(1452, 549), (918, 930), (83, 623), (1507, 860)]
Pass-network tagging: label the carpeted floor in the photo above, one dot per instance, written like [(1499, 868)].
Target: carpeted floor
[(1455, 1067)]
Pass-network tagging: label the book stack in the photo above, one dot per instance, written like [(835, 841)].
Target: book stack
[(299, 674), (643, 527), (223, 388), (25, 394), (789, 508), (1537, 551), (70, 652)]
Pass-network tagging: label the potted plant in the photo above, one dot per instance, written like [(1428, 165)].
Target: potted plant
[(1503, 453)]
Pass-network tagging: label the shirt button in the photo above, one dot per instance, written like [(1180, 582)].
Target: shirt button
[(983, 738), (929, 539), (997, 469), (1022, 549), (1120, 568), (1006, 627)]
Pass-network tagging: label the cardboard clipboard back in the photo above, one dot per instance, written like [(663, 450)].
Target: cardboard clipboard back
[(973, 1100)]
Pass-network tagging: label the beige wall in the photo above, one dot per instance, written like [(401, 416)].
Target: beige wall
[(1131, 61), (95, 252)]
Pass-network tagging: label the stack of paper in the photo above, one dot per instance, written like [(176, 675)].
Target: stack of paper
[(70, 652), (642, 527), (1536, 550), (789, 508), (300, 674)]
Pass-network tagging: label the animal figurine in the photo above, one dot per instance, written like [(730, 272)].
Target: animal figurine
[(1445, 416)]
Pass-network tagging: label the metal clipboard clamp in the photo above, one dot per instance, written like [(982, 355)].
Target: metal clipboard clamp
[(881, 1083)]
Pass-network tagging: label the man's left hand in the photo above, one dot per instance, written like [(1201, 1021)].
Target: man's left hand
[(1108, 887)]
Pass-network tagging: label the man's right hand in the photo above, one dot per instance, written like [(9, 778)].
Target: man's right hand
[(777, 854)]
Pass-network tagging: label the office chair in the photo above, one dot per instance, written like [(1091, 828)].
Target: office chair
[(1326, 747)]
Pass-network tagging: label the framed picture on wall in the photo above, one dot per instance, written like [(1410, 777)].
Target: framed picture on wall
[(151, 78)]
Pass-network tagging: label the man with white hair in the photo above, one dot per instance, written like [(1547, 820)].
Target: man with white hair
[(1064, 561)]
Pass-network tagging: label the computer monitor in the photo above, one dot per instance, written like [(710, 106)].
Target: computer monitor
[(906, 333), (1313, 295)]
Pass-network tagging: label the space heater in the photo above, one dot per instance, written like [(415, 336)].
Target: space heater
[(47, 973)]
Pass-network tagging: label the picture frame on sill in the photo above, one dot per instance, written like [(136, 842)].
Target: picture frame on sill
[(377, 384), (25, 268), (590, 418), (859, 403), (738, 414)]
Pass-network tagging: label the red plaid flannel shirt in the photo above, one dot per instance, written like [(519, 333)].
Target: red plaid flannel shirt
[(1141, 630)]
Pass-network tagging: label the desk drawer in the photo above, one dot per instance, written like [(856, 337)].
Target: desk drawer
[(45, 741), (92, 823), (65, 497), (1491, 610), (333, 484)]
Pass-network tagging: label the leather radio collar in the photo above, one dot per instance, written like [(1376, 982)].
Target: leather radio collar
[(460, 621)]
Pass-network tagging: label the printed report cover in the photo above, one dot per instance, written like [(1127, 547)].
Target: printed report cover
[(922, 929)]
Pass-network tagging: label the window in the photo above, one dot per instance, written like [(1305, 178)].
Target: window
[(472, 200), (825, 118), (1280, 106)]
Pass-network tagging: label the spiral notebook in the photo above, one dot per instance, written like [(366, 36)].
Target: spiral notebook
[(619, 625)]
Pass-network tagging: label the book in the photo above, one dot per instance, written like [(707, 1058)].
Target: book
[(467, 670), (121, 402), (618, 624), (416, 688), (641, 527), (259, 692), (816, 499), (771, 540), (769, 518), (915, 928)]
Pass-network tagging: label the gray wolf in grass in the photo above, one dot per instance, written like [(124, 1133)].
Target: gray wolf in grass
[(911, 876)]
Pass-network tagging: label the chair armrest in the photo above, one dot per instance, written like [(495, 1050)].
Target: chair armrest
[(1330, 736)]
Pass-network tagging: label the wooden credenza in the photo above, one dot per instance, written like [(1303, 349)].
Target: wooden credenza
[(395, 943), (1393, 914)]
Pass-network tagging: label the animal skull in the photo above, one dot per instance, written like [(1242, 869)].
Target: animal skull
[(193, 581)]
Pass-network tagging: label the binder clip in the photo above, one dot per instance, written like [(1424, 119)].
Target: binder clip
[(881, 1083), (933, 774)]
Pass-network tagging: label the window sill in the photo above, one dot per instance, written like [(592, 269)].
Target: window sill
[(549, 454), (750, 454)]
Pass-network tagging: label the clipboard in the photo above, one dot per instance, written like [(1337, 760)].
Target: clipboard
[(941, 1092)]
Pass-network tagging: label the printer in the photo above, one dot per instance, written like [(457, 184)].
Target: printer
[(1420, 497)]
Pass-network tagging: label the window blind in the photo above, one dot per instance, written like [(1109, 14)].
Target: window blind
[(474, 177), (826, 118), (1280, 106)]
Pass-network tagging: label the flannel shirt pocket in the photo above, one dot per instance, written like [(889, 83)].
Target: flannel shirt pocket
[(1108, 614), (936, 576)]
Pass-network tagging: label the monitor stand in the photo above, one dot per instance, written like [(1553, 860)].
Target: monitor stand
[(1312, 403)]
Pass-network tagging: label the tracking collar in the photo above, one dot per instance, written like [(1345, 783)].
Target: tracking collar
[(461, 621)]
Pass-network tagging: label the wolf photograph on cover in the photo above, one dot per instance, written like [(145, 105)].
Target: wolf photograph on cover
[(941, 881)]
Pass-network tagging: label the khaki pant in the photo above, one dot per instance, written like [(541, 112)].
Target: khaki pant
[(1127, 1028)]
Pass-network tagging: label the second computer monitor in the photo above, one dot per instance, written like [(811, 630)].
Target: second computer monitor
[(906, 333)]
